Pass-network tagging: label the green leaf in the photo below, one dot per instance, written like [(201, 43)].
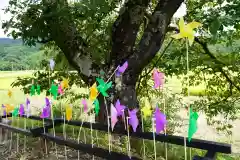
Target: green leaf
[(214, 26)]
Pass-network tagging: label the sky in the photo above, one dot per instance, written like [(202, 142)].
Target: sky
[(3, 5)]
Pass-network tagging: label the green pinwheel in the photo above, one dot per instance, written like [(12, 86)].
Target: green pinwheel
[(97, 108), (192, 127), (32, 90), (103, 87), (54, 90), (15, 112)]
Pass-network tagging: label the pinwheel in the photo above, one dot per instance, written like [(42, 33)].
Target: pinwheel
[(186, 30), (121, 69), (160, 120), (114, 118), (133, 120), (120, 108), (103, 87)]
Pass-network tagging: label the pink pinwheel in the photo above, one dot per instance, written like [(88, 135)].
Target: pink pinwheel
[(85, 107), (120, 108), (60, 90), (158, 78), (133, 120), (160, 120), (113, 116), (121, 69), (21, 110)]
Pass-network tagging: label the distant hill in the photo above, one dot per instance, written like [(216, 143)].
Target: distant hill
[(7, 41), (14, 55)]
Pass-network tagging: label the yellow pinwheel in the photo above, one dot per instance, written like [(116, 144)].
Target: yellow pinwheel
[(65, 83), (68, 112), (9, 108), (146, 110), (93, 92), (9, 93), (187, 30)]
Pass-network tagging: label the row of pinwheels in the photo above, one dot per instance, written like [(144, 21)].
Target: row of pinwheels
[(102, 88), (55, 89)]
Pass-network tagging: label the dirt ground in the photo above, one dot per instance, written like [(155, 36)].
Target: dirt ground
[(32, 153)]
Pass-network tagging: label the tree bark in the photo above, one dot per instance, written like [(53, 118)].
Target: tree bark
[(125, 29)]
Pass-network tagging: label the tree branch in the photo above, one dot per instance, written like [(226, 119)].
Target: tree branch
[(153, 37), (212, 56), (64, 33), (155, 64), (44, 41), (125, 29), (207, 51)]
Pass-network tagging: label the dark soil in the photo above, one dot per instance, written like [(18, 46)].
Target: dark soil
[(36, 150)]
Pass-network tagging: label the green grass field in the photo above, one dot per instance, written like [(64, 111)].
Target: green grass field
[(6, 79)]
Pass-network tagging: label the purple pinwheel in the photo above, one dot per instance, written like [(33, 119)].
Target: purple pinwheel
[(21, 110), (133, 120), (160, 120), (4, 111), (52, 64), (121, 69), (27, 101), (120, 108), (45, 112), (47, 102), (28, 107)]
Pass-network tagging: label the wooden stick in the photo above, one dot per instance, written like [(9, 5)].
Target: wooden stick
[(144, 149), (25, 121), (65, 136), (165, 130), (129, 145), (91, 134), (188, 93), (154, 141), (18, 135), (10, 147), (45, 142), (109, 137)]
